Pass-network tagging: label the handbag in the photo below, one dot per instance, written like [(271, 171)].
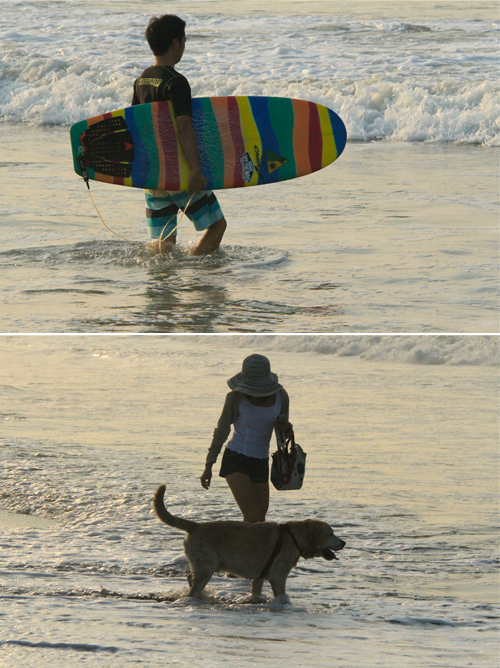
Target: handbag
[(289, 463)]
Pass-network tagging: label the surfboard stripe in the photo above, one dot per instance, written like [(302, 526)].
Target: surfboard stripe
[(329, 153), (239, 145), (213, 143), (117, 180), (184, 169), (148, 166), (221, 113), (339, 132), (159, 146), (260, 112), (141, 162), (301, 137), (282, 117), (169, 144), (250, 133), (198, 122), (315, 139), (94, 120), (104, 178), (174, 154)]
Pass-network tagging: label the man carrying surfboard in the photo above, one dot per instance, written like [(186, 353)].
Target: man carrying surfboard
[(167, 39)]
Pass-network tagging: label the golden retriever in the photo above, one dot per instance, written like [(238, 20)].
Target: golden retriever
[(263, 550)]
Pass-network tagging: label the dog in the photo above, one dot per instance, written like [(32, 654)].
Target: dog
[(263, 550)]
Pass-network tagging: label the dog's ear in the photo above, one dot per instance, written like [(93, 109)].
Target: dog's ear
[(313, 539)]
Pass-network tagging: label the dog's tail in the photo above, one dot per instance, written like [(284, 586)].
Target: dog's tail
[(163, 514)]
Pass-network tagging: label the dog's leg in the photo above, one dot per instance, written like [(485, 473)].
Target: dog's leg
[(256, 590), (199, 580), (278, 585)]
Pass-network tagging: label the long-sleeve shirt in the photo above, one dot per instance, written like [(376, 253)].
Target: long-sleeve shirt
[(228, 417)]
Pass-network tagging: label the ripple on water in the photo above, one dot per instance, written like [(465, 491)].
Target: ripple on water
[(123, 254)]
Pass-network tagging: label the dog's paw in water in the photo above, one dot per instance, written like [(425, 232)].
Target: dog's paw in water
[(186, 602), (251, 598), (280, 600), (208, 596)]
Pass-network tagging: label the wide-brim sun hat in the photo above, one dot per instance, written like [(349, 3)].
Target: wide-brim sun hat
[(255, 378)]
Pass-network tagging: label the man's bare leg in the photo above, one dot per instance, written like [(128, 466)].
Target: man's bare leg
[(167, 245), (210, 241)]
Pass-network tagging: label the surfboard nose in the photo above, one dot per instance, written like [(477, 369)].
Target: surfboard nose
[(339, 131)]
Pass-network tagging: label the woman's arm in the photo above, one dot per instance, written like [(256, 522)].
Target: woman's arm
[(206, 476), (221, 432), (282, 422)]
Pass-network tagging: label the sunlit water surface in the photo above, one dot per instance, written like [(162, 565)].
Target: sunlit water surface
[(391, 238), (399, 235), (402, 458)]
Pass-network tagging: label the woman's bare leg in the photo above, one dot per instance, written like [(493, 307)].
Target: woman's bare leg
[(252, 497), (262, 491), (253, 501)]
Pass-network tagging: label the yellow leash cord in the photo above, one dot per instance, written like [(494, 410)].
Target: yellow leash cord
[(136, 243), (168, 222)]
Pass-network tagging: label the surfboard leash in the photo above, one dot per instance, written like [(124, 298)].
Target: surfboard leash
[(161, 238), (86, 179), (136, 243)]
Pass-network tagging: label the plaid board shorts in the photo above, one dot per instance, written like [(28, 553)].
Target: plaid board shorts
[(162, 208)]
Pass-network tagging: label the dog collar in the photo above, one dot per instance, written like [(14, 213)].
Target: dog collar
[(284, 528)]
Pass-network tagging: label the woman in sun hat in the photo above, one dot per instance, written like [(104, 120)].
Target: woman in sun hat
[(256, 404)]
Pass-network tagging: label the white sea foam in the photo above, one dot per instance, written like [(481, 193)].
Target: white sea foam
[(387, 79), (433, 350)]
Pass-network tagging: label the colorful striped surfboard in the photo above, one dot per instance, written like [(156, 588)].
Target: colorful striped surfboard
[(242, 141)]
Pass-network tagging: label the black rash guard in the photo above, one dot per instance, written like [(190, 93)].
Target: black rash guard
[(160, 82)]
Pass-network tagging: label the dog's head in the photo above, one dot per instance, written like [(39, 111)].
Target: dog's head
[(316, 539)]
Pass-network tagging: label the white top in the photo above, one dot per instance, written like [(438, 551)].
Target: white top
[(254, 427)]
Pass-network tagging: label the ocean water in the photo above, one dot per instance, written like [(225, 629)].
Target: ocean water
[(398, 78), (401, 435), (399, 235)]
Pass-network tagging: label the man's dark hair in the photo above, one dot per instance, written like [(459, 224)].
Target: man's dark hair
[(161, 32)]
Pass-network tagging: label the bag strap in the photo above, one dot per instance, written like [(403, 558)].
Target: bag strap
[(283, 442), (280, 439), (286, 451)]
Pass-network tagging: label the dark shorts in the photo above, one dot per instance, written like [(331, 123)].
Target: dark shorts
[(233, 462)]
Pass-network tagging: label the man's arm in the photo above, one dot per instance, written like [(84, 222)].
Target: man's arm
[(187, 140), (135, 99)]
